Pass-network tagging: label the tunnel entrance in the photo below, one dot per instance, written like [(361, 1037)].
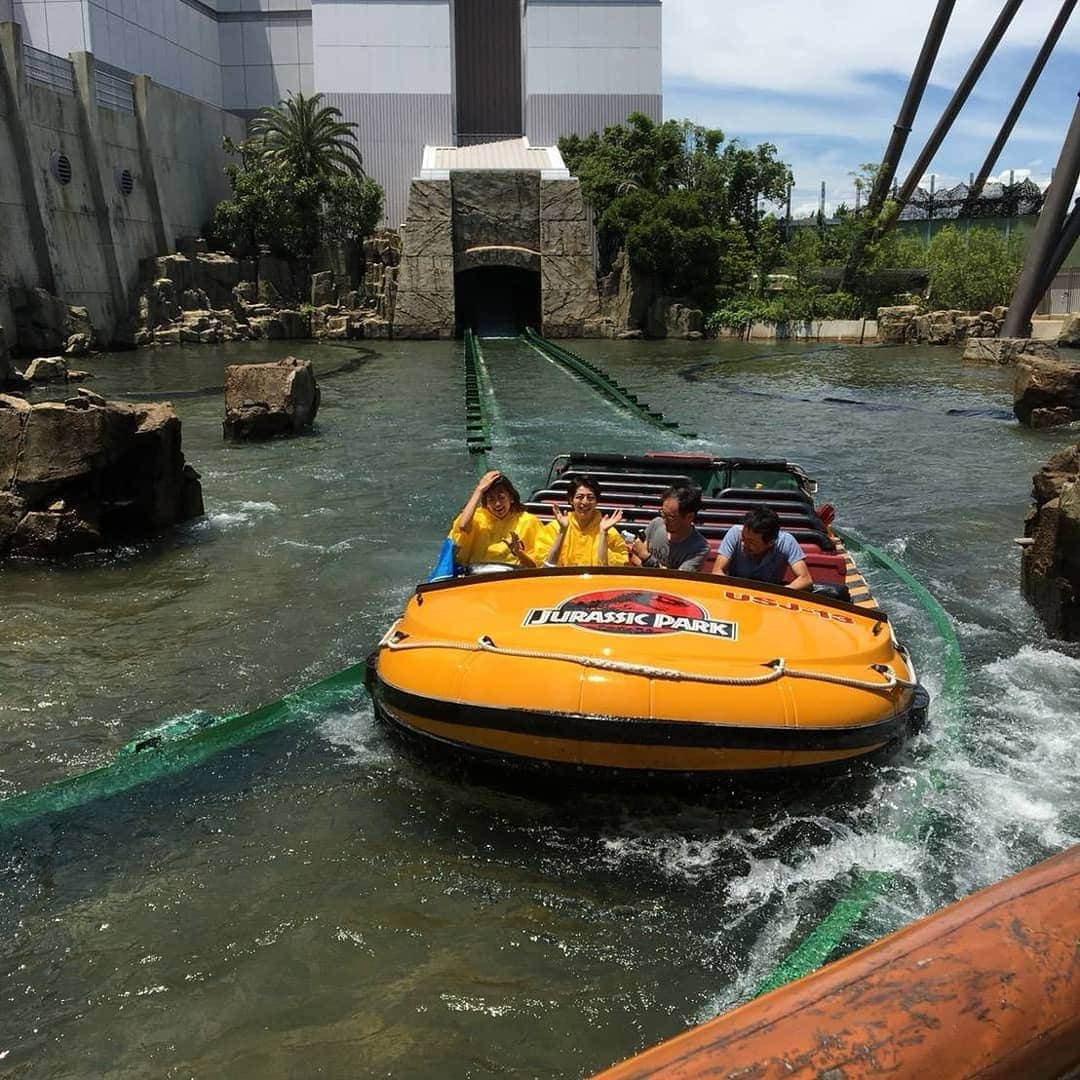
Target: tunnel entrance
[(497, 301)]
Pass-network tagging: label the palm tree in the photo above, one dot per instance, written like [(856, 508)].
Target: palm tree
[(309, 137)]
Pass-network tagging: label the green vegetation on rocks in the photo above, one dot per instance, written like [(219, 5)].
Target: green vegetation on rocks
[(299, 183), (682, 201)]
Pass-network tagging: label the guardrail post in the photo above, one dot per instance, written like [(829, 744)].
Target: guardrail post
[(140, 87), (83, 69), (13, 93)]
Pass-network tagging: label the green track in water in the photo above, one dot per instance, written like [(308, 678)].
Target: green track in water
[(603, 383), (177, 745), (477, 396), (829, 936)]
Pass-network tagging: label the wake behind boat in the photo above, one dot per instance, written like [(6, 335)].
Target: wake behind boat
[(631, 670)]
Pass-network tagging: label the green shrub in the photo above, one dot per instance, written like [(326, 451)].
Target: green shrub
[(973, 269)]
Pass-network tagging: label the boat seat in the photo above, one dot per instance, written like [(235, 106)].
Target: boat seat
[(810, 537), (661, 480), (635, 513)]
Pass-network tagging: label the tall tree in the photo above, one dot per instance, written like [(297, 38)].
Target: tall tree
[(310, 138)]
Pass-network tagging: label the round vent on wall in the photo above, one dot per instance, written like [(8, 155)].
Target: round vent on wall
[(125, 182), (60, 167)]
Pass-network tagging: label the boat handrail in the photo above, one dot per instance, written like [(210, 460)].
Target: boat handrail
[(778, 667)]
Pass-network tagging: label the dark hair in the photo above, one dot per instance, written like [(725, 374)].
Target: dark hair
[(764, 521), (503, 481), (577, 480), (688, 498)]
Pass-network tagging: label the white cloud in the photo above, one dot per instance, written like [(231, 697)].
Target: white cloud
[(831, 46), (823, 80)]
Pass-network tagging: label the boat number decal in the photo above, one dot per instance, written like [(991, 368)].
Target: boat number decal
[(633, 611)]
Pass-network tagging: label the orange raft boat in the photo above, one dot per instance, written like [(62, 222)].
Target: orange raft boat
[(632, 670)]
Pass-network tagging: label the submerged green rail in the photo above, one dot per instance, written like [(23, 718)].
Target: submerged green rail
[(833, 931), (477, 428), (600, 380), (177, 745)]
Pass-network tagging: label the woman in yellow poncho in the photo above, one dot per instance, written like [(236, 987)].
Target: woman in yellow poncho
[(494, 527), (584, 537)]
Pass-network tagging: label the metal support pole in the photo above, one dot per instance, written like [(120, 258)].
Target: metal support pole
[(960, 96), (901, 129), (1022, 96), (1048, 234), (906, 117), (1070, 236)]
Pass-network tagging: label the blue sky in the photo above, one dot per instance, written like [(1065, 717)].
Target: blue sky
[(823, 80)]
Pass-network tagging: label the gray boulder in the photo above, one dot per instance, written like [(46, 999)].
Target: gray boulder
[(323, 289), (896, 324), (1050, 565), (44, 324), (79, 475), (1046, 391), (1069, 334), (267, 400), (7, 365), (46, 369)]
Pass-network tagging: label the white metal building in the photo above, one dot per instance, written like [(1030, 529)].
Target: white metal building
[(407, 72)]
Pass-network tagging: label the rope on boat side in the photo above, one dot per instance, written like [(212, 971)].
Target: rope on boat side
[(779, 668)]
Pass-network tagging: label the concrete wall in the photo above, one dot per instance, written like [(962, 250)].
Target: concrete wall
[(83, 240), (188, 162), (589, 64), (388, 68)]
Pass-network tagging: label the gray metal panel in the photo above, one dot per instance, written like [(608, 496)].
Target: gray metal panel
[(392, 130), (487, 67), (548, 116)]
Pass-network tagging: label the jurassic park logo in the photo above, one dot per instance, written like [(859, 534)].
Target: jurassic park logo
[(636, 611)]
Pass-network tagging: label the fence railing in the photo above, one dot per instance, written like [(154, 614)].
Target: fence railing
[(114, 92), (52, 71), (1063, 296)]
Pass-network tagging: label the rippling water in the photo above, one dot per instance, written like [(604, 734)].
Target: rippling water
[(317, 902)]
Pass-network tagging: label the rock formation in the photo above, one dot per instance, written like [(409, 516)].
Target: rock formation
[(266, 400), (8, 375), (1050, 565), (86, 473), (1069, 334), (206, 297), (906, 324), (1008, 350), (1046, 391), (45, 325)]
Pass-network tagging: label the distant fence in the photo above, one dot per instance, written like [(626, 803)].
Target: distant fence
[(52, 71), (1063, 295), (114, 92), (995, 200)]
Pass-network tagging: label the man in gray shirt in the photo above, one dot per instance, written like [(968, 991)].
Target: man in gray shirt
[(671, 541)]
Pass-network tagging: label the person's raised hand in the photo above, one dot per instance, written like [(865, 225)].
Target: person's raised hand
[(515, 544), (611, 519), (487, 480), (561, 516)]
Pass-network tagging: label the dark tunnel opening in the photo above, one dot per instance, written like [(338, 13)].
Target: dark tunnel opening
[(497, 301)]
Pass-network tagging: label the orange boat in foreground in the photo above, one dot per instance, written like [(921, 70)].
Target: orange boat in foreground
[(987, 987), (632, 670)]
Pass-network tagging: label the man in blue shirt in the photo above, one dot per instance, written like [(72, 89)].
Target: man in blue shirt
[(759, 550)]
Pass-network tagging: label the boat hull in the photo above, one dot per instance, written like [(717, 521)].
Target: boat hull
[(644, 671)]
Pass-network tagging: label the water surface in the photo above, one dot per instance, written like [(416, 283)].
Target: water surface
[(319, 903)]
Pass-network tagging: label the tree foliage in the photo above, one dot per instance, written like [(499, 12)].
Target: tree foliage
[(298, 183), (973, 269), (307, 137), (683, 202)]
